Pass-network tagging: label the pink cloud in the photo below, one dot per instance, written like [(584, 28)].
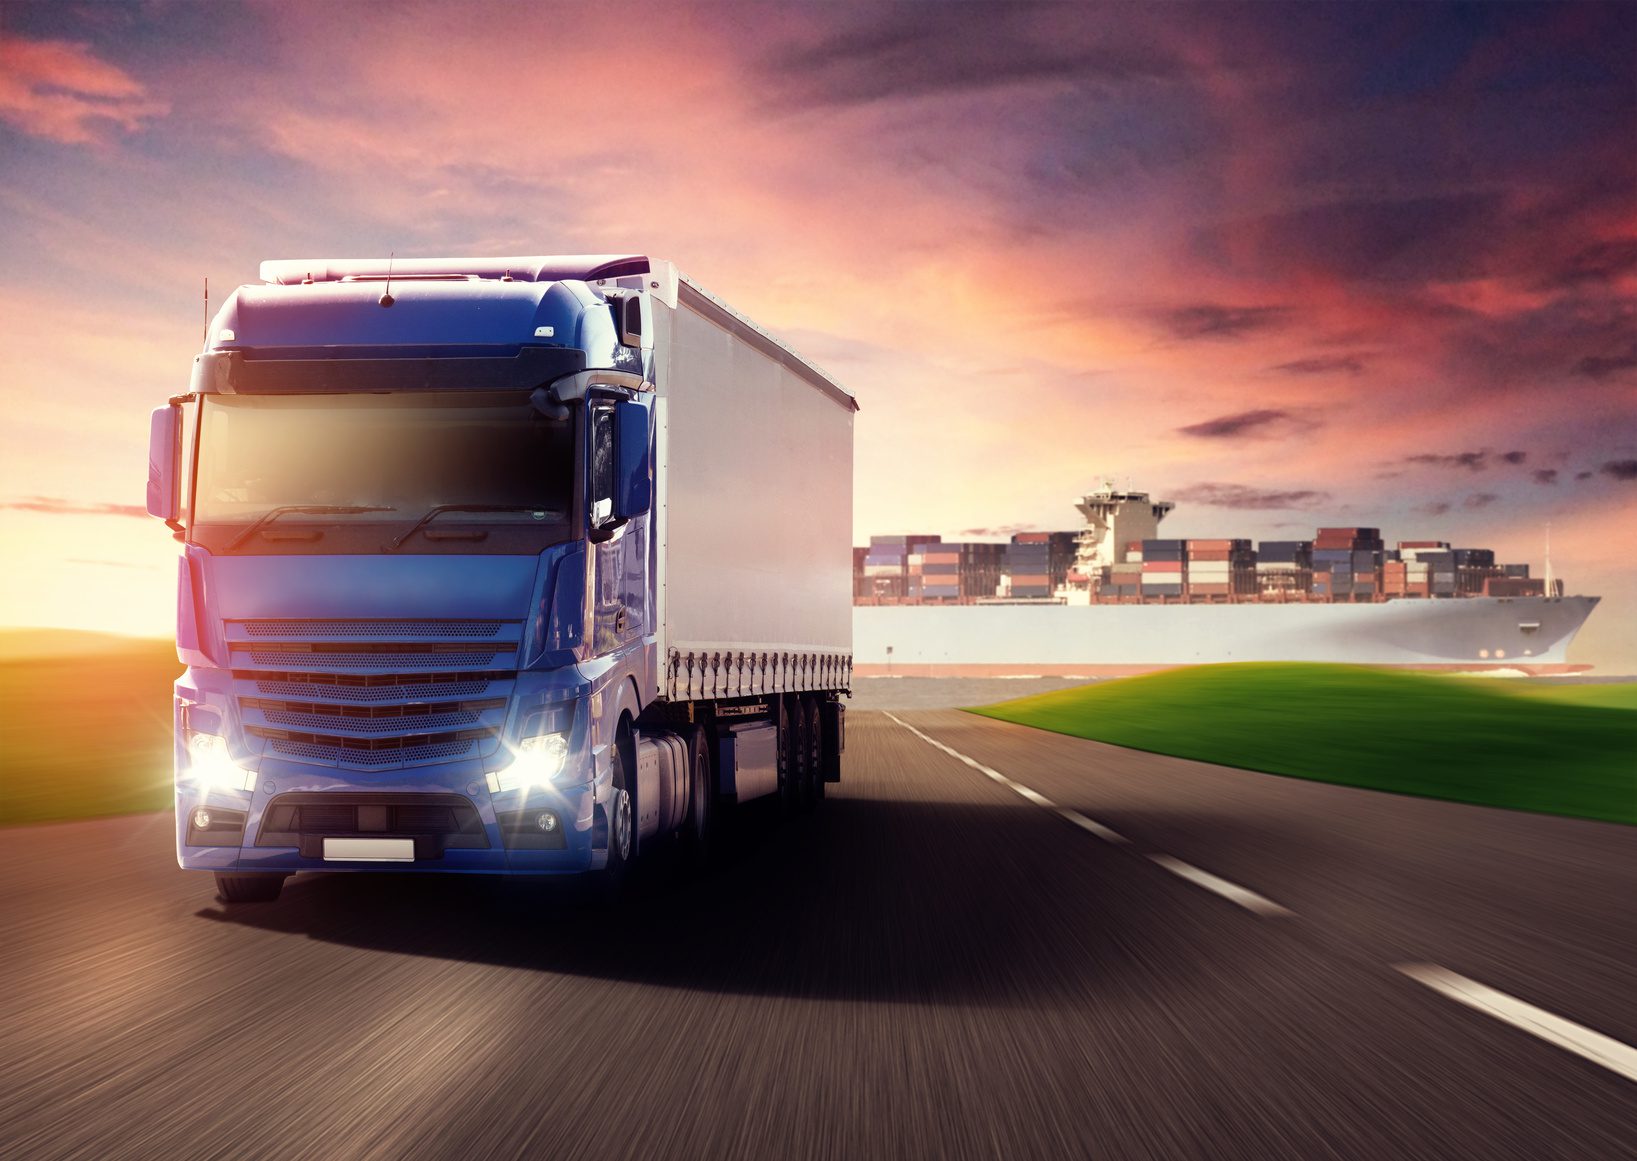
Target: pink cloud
[(59, 90)]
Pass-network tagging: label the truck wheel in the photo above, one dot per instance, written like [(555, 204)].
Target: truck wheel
[(621, 833), (821, 752), (790, 755), (252, 888), (698, 829)]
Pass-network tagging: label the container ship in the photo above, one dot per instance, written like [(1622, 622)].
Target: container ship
[(1117, 598)]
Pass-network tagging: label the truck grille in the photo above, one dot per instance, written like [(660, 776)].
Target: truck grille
[(334, 749), (371, 655), (474, 630), (373, 719), (374, 694), (374, 687), (331, 755)]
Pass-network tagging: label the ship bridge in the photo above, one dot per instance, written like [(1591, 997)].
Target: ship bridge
[(1114, 519)]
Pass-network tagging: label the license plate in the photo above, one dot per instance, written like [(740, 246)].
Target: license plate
[(369, 850)]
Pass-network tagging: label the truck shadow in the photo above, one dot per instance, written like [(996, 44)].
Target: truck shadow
[(870, 899)]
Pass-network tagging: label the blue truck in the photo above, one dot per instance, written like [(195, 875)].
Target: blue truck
[(508, 566)]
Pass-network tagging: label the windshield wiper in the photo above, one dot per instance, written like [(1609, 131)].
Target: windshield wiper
[(310, 509), (434, 512)]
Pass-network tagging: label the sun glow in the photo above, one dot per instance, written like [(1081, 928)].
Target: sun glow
[(114, 574)]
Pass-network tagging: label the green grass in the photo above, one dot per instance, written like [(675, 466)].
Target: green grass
[(1558, 749), (85, 725)]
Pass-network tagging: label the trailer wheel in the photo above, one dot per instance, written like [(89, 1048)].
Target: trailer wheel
[(252, 888), (790, 753), (699, 828), (807, 747), (821, 752)]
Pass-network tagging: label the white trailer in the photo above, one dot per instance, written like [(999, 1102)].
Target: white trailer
[(753, 515)]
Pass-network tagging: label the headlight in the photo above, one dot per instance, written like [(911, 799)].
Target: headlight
[(213, 768), (535, 762)]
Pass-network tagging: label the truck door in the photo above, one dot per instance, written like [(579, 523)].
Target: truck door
[(620, 568)]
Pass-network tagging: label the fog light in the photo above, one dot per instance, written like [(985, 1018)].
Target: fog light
[(546, 821), (201, 819)]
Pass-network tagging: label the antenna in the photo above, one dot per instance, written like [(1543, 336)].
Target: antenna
[(206, 337), (387, 299)]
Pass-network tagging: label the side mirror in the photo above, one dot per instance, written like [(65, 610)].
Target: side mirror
[(164, 440), (628, 319), (633, 491)]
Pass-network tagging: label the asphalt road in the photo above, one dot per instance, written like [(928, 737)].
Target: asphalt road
[(934, 966)]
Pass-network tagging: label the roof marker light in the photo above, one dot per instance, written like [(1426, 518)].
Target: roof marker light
[(226, 335)]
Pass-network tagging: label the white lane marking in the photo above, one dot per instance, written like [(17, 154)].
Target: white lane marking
[(1594, 1046), (1089, 825), (1037, 799), (1233, 892)]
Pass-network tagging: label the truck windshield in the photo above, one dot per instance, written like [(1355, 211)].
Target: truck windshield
[(404, 451)]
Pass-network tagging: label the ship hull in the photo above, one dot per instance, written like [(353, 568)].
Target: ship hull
[(1528, 633)]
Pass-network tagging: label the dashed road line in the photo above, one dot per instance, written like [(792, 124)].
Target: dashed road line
[(1091, 826), (1594, 1046), (1233, 892), (1243, 896), (1612, 1054)]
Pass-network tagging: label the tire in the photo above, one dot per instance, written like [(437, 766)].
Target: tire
[(807, 746), (790, 755), (251, 888), (699, 828), (831, 724), (621, 832), (821, 753)]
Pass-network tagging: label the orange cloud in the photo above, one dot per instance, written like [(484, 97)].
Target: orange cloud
[(59, 90)]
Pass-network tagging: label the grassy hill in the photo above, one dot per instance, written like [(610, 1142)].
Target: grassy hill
[(85, 724), (1559, 749)]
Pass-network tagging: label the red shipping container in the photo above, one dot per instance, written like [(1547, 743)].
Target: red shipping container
[(1209, 590), (1032, 538), (1162, 566)]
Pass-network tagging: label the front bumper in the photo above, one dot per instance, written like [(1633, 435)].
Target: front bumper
[(403, 803)]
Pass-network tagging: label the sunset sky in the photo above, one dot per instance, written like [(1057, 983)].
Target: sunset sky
[(1285, 265)]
